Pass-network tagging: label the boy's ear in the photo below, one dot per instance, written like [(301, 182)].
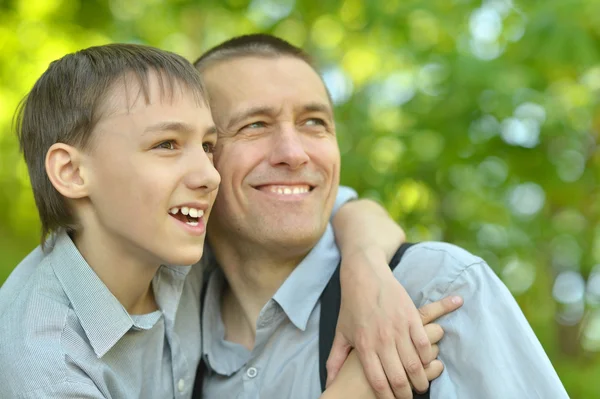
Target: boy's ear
[(64, 169)]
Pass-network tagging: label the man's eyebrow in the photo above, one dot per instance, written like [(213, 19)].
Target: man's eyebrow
[(249, 112), (262, 110), (318, 107)]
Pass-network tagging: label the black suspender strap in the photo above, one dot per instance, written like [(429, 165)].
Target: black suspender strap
[(330, 308), (201, 370)]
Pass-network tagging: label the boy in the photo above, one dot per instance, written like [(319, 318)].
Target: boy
[(118, 141)]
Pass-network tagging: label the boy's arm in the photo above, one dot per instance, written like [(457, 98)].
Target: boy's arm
[(351, 381), (377, 317)]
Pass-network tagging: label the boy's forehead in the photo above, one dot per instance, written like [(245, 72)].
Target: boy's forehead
[(129, 92)]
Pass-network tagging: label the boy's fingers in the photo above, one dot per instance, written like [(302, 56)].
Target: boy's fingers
[(435, 310), (434, 333)]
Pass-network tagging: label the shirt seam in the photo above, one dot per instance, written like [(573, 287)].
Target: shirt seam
[(63, 356), (460, 275), (464, 265), (66, 379)]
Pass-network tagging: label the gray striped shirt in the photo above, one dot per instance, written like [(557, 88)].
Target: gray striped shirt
[(64, 335)]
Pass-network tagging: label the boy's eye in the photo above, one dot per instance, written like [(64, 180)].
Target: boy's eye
[(166, 145), (209, 148)]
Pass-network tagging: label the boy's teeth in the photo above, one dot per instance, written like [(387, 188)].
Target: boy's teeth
[(192, 223), (191, 212)]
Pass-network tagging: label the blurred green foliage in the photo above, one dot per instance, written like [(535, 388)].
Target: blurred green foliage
[(474, 122)]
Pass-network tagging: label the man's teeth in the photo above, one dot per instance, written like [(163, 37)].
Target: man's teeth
[(191, 212), (289, 190)]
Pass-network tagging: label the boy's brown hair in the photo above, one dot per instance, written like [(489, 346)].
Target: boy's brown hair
[(65, 104)]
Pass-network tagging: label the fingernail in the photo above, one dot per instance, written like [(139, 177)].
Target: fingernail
[(457, 300)]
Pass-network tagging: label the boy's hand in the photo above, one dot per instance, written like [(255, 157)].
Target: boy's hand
[(384, 326)]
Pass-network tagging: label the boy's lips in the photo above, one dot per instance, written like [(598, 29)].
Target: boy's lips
[(191, 216)]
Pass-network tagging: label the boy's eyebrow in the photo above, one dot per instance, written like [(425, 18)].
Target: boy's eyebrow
[(178, 127)]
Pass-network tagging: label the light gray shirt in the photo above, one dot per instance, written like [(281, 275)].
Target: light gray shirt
[(64, 335), (489, 350)]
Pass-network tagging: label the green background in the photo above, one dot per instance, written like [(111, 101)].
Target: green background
[(473, 122)]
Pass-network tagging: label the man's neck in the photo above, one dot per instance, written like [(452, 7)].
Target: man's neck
[(253, 277), (127, 277)]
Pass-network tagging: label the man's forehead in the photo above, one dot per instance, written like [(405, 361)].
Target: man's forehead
[(266, 82)]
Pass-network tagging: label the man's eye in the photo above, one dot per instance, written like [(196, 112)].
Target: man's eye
[(315, 122), (209, 148), (255, 125), (166, 145)]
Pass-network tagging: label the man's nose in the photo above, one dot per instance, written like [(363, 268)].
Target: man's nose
[(288, 148)]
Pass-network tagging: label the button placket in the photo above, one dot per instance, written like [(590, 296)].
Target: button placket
[(181, 385), (251, 372)]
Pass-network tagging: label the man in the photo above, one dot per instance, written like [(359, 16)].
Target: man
[(261, 311)]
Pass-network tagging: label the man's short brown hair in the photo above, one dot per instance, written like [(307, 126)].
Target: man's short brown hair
[(255, 45), (65, 104)]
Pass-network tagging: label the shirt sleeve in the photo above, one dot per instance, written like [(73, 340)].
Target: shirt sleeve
[(344, 195), (489, 350)]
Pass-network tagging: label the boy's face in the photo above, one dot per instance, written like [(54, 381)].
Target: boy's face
[(148, 165)]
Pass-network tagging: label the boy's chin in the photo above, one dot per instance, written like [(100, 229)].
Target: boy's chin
[(185, 258)]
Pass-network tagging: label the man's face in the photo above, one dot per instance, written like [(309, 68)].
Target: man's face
[(277, 151), (148, 165)]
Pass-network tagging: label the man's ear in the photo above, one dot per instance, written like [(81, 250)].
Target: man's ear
[(64, 169)]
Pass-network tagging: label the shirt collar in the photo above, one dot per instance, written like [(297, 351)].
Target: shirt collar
[(297, 296), (223, 357), (100, 313), (300, 292)]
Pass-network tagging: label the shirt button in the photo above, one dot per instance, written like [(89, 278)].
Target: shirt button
[(251, 372), (181, 385)]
